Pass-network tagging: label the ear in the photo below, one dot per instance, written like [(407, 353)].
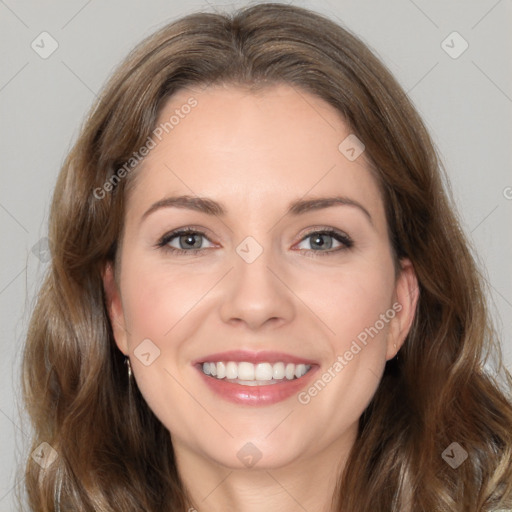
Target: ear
[(406, 295), (115, 308)]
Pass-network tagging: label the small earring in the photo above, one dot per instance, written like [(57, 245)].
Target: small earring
[(128, 364)]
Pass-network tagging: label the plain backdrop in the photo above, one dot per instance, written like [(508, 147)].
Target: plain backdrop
[(465, 100)]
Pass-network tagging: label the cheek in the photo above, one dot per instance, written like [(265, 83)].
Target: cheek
[(161, 304), (156, 298), (358, 308), (349, 299)]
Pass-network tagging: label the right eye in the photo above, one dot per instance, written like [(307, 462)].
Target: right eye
[(189, 241)]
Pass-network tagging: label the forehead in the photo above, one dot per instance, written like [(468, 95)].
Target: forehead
[(250, 149)]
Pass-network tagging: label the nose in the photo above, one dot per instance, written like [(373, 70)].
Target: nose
[(256, 293)]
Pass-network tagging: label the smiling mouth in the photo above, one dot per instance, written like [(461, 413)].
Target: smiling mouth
[(249, 374)]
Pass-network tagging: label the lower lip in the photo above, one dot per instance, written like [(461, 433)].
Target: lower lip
[(257, 395)]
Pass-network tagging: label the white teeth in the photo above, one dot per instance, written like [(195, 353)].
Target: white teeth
[(221, 370), (278, 371), (290, 371), (231, 370), (245, 371), (300, 370), (255, 374), (263, 371)]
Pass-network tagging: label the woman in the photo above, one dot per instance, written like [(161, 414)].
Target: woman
[(260, 297)]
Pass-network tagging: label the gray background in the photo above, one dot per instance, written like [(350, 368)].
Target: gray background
[(466, 103)]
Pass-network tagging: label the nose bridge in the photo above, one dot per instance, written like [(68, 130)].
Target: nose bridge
[(255, 293)]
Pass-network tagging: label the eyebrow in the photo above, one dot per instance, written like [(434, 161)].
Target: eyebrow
[(211, 207)]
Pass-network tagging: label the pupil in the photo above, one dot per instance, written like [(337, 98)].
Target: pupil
[(189, 240), (318, 240)]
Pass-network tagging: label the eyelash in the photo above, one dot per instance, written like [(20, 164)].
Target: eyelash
[(344, 239)]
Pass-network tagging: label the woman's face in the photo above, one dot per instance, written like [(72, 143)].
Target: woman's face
[(260, 280)]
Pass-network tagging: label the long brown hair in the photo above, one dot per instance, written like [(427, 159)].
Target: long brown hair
[(113, 453)]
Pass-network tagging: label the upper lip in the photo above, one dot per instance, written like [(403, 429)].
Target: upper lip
[(262, 356)]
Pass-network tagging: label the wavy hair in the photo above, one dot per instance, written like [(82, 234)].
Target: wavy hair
[(113, 453)]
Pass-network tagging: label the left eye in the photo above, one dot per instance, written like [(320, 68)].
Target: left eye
[(324, 240)]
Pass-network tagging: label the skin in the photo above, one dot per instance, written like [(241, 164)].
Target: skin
[(255, 153)]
